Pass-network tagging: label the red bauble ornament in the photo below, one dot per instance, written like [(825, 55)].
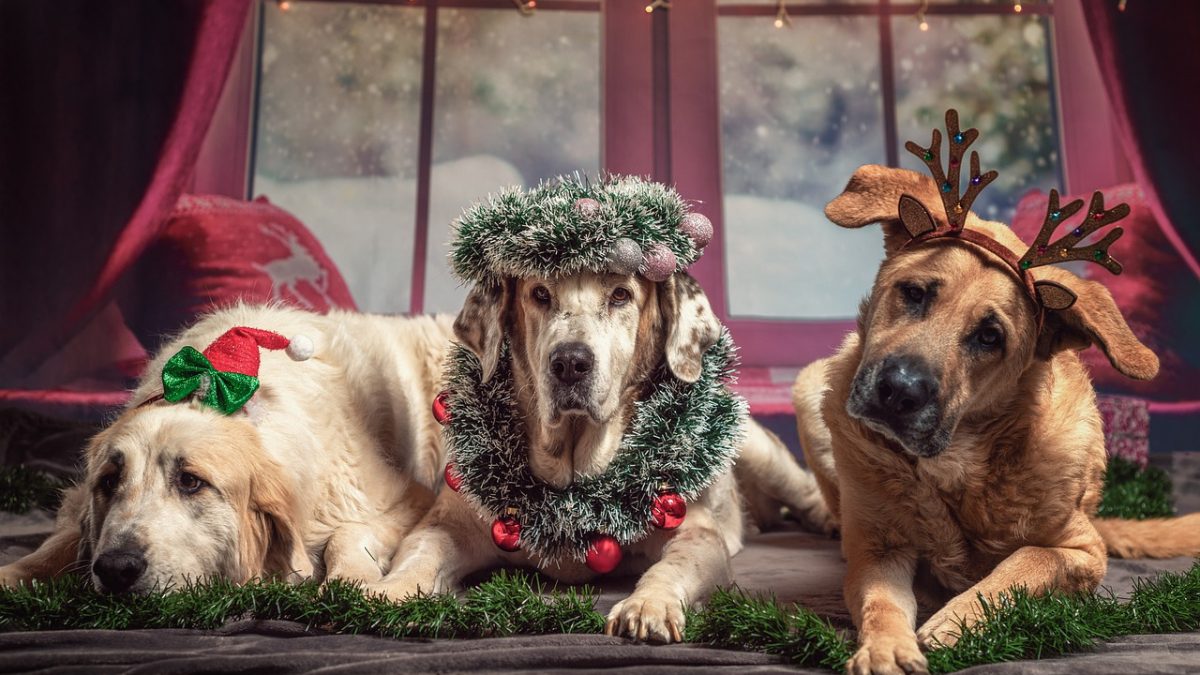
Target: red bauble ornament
[(603, 554), (506, 532), (668, 510), (441, 409), (453, 480)]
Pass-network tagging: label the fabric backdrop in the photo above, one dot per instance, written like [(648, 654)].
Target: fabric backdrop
[(1150, 64), (106, 105)]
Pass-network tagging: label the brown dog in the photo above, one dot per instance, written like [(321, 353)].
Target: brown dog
[(959, 445)]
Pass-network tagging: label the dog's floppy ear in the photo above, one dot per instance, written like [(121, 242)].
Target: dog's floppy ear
[(1094, 319), (270, 544), (905, 202), (481, 323), (691, 325)]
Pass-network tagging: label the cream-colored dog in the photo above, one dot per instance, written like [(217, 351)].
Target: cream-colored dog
[(320, 474), (582, 348)]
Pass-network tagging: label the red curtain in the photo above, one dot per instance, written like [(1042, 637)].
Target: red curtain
[(113, 101), (1151, 67)]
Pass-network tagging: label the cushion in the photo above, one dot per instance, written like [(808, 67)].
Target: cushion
[(1156, 292), (214, 251)]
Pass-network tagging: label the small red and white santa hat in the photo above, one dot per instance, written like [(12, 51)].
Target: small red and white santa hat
[(236, 351), (225, 375)]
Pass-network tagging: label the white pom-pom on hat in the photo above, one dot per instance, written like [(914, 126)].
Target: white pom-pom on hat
[(300, 348)]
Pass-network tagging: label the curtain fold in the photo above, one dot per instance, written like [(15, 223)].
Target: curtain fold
[(115, 100), (1151, 67)]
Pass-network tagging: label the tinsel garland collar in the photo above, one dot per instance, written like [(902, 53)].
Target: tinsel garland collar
[(572, 224), (682, 436)]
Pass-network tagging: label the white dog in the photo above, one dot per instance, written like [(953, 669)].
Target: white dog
[(320, 474), (582, 347)]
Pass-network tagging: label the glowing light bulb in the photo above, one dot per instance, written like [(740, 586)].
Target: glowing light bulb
[(779, 23), (285, 5), (923, 26), (1017, 8), (649, 9), (532, 4)]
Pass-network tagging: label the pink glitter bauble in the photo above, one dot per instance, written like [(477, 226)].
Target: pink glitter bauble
[(587, 207), (658, 263), (698, 228)]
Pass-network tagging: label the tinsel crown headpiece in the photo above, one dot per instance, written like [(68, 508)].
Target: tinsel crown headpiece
[(1045, 293), (621, 224)]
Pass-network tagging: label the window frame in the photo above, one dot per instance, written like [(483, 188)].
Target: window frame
[(660, 117)]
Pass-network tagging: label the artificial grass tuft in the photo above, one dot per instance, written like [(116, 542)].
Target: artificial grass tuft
[(509, 603), (1018, 625), (23, 489), (1135, 493), (735, 620)]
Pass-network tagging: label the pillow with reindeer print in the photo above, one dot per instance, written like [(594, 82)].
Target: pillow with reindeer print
[(214, 251)]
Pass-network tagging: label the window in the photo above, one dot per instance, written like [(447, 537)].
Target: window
[(847, 84), (377, 127), (377, 139)]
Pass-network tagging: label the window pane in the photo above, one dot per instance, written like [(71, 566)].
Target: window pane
[(338, 124), (800, 111), (520, 105), (775, 3), (995, 71)]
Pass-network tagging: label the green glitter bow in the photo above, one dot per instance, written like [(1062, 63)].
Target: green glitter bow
[(189, 371)]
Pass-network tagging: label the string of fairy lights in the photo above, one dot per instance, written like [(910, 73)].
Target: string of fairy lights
[(782, 18)]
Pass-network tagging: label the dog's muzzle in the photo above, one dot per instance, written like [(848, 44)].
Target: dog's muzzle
[(118, 570), (571, 365), (898, 397)]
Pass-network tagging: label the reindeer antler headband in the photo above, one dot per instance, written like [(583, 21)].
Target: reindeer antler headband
[(1047, 294)]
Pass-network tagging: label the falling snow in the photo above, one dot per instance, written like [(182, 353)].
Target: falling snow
[(801, 109)]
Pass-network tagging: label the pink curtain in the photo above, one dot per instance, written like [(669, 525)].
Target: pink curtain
[(1149, 60), (118, 98)]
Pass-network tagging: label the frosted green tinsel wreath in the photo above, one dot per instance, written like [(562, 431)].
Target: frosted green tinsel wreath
[(574, 224), (684, 435)]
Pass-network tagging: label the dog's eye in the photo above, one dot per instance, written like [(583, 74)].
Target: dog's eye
[(541, 294), (189, 483), (913, 293), (108, 483), (989, 337), (620, 296)]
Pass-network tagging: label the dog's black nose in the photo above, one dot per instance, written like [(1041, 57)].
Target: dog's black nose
[(118, 570), (904, 387), (571, 362)]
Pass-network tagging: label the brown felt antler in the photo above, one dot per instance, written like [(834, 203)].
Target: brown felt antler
[(948, 181), (1049, 294), (1044, 252), (1066, 247)]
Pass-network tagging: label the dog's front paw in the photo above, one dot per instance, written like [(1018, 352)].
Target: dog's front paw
[(945, 627), (648, 618), (402, 588), (888, 655), (11, 577)]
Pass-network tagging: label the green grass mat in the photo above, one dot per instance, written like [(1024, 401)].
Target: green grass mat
[(1018, 626)]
